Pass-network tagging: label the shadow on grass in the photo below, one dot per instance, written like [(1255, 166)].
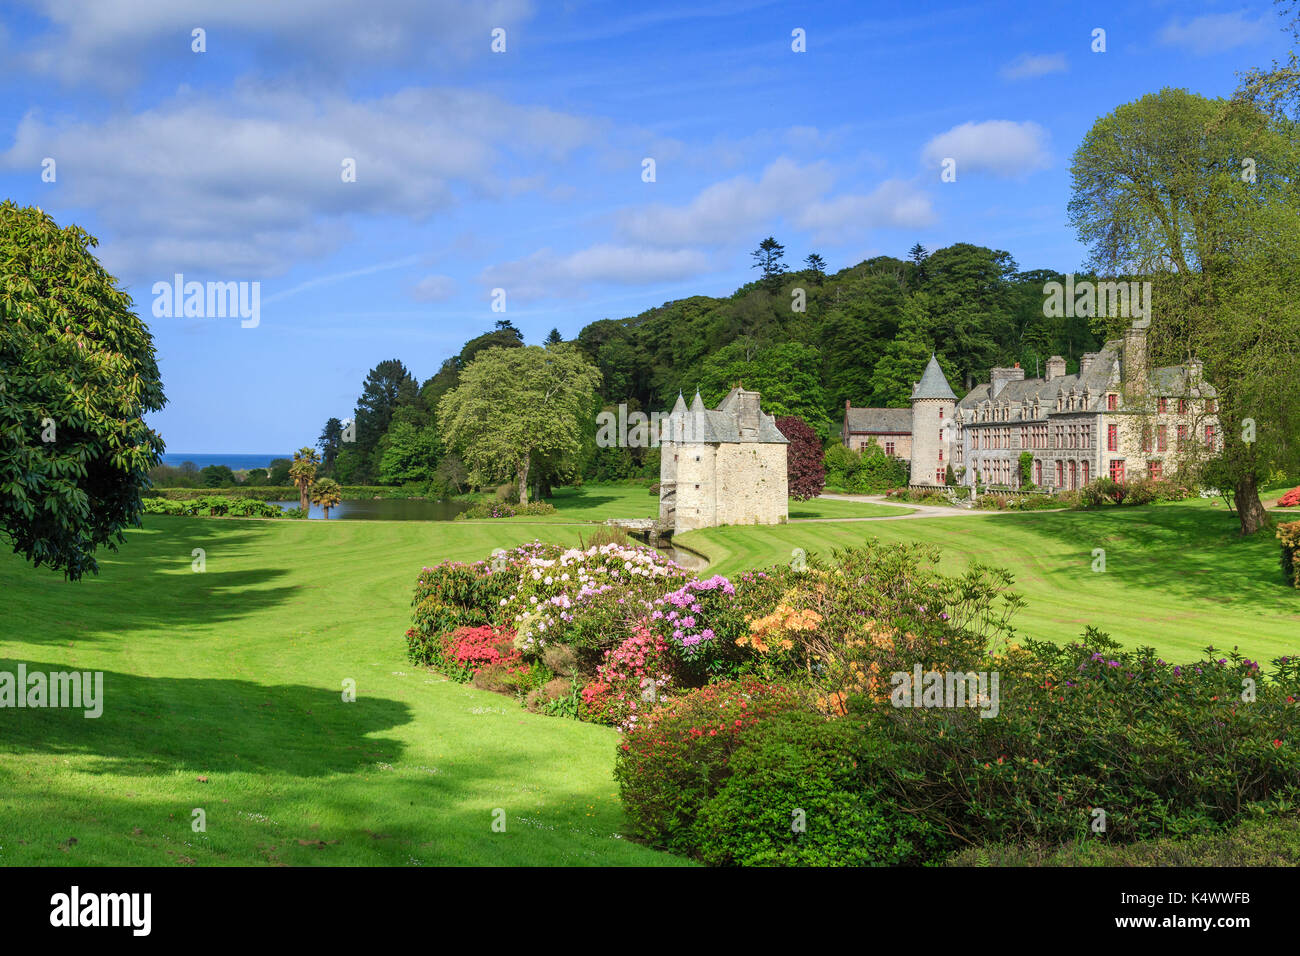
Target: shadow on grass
[(156, 725), (148, 583)]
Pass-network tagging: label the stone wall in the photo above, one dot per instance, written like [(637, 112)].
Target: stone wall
[(926, 444)]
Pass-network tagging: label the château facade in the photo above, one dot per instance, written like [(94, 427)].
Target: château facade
[(721, 466), (1116, 417)]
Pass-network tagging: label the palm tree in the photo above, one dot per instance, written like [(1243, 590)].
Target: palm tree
[(303, 472), (327, 493)]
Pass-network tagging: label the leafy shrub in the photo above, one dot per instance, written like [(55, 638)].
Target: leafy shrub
[(870, 471), (842, 629), (450, 596), (1271, 841), (499, 509), (677, 756), (213, 506), (610, 534), (1289, 535), (1161, 749), (805, 470), (793, 796), (1016, 502), (287, 492), (1290, 500)]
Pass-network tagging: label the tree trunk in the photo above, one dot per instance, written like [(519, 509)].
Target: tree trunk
[(1250, 510), (302, 499), (523, 482)]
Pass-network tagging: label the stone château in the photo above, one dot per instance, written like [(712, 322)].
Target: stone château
[(1116, 417), (721, 466)]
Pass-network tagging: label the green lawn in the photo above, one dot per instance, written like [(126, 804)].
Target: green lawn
[(1177, 576), (223, 688), (594, 502), (235, 675), (832, 508)]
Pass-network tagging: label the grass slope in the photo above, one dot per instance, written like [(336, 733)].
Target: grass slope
[(1178, 577), (235, 675)]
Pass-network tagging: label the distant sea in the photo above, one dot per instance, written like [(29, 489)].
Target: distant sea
[(234, 461)]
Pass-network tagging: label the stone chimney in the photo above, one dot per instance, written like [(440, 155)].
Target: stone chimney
[(1055, 367), (1134, 370), (1085, 362), (999, 377), (747, 415), (1195, 369)]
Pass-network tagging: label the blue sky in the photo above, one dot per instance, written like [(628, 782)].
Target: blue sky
[(522, 170)]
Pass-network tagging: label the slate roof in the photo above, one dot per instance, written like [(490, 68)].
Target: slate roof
[(715, 426), (896, 420), (1102, 376), (933, 384)]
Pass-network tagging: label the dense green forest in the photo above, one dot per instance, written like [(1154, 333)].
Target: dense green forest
[(807, 340)]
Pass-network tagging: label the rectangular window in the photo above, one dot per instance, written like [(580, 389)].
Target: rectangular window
[(1210, 407), (889, 448), (1162, 405), (1085, 472), (941, 454), (1182, 435), (1162, 436), (1112, 402), (1117, 470), (1209, 435), (1146, 440), (1153, 470), (1112, 438), (1182, 406), (938, 475)]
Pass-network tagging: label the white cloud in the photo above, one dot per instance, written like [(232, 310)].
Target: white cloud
[(434, 288), (730, 210), (894, 203), (997, 147), (249, 182), (1029, 65), (105, 41), (1214, 32), (800, 195), (546, 274)]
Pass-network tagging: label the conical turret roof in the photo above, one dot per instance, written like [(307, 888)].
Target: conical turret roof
[(933, 384)]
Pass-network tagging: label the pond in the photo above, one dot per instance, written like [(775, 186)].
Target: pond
[(386, 509)]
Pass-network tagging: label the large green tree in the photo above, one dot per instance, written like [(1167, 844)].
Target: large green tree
[(788, 376), (77, 375), (515, 406), (1200, 195), (384, 385)]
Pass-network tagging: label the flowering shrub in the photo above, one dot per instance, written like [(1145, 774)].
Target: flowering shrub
[(837, 630), (633, 678), (589, 598), (1290, 500), (1289, 535), (452, 595), (474, 647), (676, 756)]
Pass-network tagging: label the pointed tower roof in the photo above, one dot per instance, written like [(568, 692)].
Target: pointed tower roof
[(679, 407), (697, 404), (933, 384)]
